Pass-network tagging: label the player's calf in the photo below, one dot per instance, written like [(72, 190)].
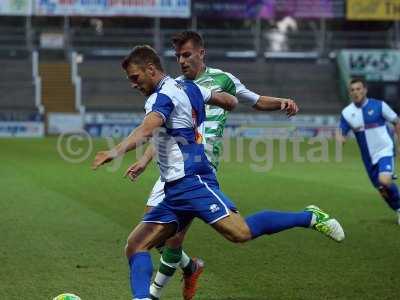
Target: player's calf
[(389, 191), (237, 229)]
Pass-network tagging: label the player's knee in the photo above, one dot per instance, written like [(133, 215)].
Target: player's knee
[(132, 247), (385, 180), (130, 250)]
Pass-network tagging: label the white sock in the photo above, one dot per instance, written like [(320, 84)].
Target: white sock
[(185, 260), (158, 284), (313, 220)]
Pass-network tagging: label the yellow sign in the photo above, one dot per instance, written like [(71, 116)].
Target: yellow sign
[(378, 10)]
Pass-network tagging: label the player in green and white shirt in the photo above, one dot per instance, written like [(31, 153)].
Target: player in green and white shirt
[(190, 55), (218, 80)]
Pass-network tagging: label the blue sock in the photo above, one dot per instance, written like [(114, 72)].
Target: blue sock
[(141, 269), (269, 222), (394, 199)]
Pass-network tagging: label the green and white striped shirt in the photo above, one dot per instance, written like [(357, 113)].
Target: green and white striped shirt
[(220, 81)]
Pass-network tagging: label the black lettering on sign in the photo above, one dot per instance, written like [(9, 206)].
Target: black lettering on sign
[(379, 62)]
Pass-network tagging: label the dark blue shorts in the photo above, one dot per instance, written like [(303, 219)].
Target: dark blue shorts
[(384, 165), (190, 197)]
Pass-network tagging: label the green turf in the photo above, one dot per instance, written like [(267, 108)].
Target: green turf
[(63, 229)]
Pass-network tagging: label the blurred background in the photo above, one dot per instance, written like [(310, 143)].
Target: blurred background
[(60, 59)]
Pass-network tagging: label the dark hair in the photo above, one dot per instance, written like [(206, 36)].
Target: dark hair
[(142, 55), (358, 79), (183, 37)]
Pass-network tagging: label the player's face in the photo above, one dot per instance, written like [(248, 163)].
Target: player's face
[(140, 78), (190, 59), (358, 92)]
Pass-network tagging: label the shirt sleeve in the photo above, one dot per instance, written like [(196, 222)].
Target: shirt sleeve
[(243, 94), (161, 104), (388, 113), (206, 93), (344, 126)]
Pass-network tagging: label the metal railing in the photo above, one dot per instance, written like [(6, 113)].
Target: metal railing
[(37, 82), (77, 82), (219, 42)]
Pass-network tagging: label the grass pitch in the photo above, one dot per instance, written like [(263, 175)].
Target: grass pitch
[(63, 229)]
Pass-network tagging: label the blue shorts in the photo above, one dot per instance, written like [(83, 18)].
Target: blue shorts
[(190, 197), (384, 165)]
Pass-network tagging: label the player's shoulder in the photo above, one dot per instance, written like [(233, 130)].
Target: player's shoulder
[(226, 79), (349, 110), (186, 84), (176, 90), (214, 71), (168, 86), (150, 101), (373, 101), (376, 104)]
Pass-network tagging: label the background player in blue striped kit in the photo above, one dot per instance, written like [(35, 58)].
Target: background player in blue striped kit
[(368, 118)]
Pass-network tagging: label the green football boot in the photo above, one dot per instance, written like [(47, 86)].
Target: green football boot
[(325, 224)]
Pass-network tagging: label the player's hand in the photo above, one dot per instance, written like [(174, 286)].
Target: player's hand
[(102, 157), (341, 139), (135, 170), (290, 107)]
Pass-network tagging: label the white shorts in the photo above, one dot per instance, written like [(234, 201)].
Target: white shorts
[(157, 193)]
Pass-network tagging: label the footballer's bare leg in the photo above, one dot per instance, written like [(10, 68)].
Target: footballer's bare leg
[(143, 238), (237, 229), (389, 191)]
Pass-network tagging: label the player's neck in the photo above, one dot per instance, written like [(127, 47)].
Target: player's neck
[(201, 71), (159, 79), (362, 103)]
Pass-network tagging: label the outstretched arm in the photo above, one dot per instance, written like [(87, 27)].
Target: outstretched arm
[(266, 103), (137, 137), (223, 100), (259, 102)]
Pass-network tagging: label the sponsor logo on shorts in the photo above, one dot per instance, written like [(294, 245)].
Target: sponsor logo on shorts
[(214, 208)]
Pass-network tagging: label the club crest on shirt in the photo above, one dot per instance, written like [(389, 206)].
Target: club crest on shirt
[(371, 112)]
